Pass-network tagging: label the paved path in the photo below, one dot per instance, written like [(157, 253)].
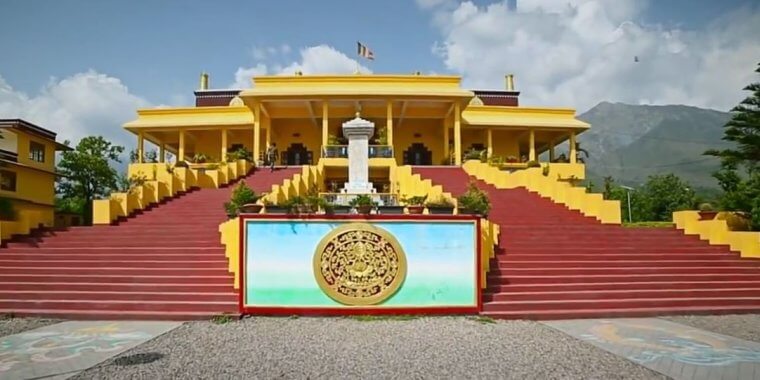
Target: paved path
[(673, 349), (64, 349)]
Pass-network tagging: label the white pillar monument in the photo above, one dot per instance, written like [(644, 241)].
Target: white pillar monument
[(358, 131)]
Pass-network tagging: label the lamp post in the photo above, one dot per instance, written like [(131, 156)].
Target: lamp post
[(628, 193)]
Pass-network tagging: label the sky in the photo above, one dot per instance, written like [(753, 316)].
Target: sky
[(83, 67)]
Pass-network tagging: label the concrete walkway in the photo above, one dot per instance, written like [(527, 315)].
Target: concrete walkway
[(675, 350), (64, 349)]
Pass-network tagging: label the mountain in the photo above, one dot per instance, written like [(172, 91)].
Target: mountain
[(632, 142)]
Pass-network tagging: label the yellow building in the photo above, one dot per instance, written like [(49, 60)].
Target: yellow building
[(27, 175), (419, 119)]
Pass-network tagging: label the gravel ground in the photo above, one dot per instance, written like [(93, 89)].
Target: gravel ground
[(743, 326), (336, 348), (10, 326)]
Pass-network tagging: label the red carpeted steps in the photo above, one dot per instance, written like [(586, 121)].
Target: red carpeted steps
[(164, 263), (555, 263)]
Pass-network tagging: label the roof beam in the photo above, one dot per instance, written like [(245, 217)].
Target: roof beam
[(401, 114), (312, 116)]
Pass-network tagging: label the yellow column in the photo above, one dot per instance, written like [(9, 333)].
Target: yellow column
[(256, 132), (490, 142), (140, 151), (325, 124), (573, 153), (532, 152), (389, 122), (551, 150), (224, 145), (181, 152), (446, 152), (268, 138), (457, 135), (162, 153)]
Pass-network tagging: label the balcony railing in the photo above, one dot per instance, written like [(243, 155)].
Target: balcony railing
[(382, 199), (341, 151)]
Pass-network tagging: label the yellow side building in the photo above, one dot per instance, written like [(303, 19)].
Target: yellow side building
[(27, 175)]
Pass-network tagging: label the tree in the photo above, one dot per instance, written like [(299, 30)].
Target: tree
[(744, 130), (742, 193), (662, 195), (86, 173)]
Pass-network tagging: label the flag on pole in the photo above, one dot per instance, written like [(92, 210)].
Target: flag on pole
[(364, 52)]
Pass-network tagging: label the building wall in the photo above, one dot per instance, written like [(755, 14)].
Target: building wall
[(289, 131), (23, 152), (426, 131)]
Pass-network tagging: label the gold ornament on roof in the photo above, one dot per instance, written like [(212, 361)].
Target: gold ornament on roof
[(359, 264)]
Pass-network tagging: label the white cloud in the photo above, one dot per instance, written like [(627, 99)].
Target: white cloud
[(580, 52), (243, 75), (81, 105), (320, 59)]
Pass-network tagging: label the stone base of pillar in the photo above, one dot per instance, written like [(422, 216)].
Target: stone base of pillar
[(358, 188)]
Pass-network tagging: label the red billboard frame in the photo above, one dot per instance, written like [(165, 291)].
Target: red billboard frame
[(360, 310)]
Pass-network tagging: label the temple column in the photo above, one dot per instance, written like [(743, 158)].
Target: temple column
[(446, 151), (224, 145), (573, 153), (325, 125), (532, 152), (181, 151), (162, 153), (489, 138), (268, 133), (551, 150), (140, 150), (389, 122), (256, 132), (457, 135)]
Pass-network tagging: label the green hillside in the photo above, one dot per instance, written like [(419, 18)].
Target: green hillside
[(632, 142)]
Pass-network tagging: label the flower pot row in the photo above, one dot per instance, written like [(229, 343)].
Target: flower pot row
[(365, 209)]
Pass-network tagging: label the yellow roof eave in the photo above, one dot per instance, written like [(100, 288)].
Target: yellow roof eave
[(425, 86), (191, 117), (522, 117)]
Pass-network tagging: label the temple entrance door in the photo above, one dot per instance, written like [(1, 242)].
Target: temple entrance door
[(418, 154), (296, 154)]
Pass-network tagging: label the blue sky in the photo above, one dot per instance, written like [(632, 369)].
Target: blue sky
[(563, 52)]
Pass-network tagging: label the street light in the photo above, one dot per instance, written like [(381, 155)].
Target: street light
[(628, 192)]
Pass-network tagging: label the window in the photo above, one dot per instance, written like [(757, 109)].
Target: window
[(36, 152), (7, 180)]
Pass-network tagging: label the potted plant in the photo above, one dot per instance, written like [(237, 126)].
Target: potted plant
[(391, 209), (271, 208), (416, 204), (474, 201), (242, 200), (199, 158), (533, 164), (707, 212), (362, 203), (440, 206)]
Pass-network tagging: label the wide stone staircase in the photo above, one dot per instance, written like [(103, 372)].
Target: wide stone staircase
[(555, 263), (163, 263)]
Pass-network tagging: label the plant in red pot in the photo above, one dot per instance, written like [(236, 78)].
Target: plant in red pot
[(416, 204), (707, 212), (362, 203), (242, 200)]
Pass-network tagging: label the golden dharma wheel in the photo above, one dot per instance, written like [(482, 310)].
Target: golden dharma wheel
[(359, 264)]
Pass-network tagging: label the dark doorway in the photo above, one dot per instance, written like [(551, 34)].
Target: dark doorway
[(418, 154), (296, 154)]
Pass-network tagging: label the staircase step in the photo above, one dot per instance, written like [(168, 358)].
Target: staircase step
[(573, 271), (119, 305), (119, 271), (622, 294), (621, 303), (66, 294), (599, 312), (219, 263), (135, 315), (623, 285)]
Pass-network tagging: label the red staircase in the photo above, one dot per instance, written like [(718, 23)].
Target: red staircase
[(165, 263), (554, 263)]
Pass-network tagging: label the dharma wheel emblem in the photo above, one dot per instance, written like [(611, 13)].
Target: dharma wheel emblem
[(359, 264)]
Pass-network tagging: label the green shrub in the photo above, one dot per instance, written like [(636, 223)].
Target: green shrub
[(533, 164), (475, 200), (416, 200), (241, 195), (361, 200), (440, 202), (240, 153)]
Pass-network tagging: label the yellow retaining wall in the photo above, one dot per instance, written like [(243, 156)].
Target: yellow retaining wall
[(717, 232), (230, 238), (28, 217), (489, 235), (551, 186), (162, 182)]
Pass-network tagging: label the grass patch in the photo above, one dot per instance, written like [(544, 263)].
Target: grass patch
[(482, 319), (373, 318), (222, 319), (649, 224)]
